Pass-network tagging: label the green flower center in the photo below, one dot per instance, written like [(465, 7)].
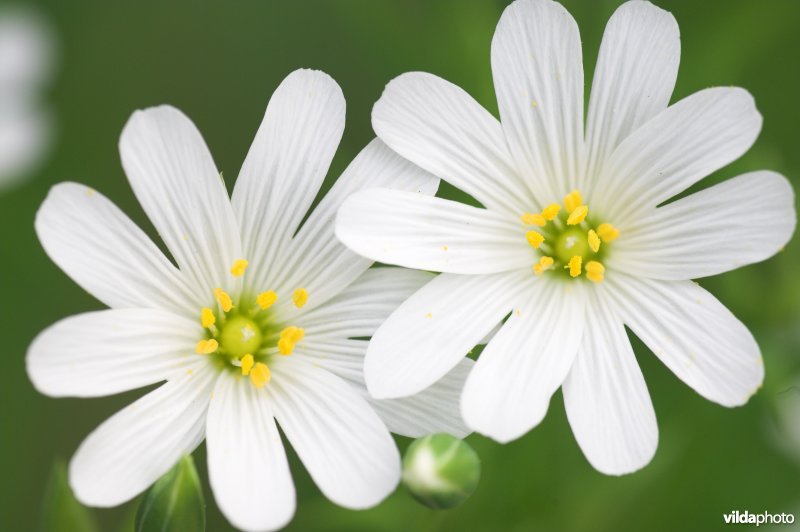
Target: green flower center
[(240, 336)]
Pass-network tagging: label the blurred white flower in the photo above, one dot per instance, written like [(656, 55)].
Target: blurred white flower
[(26, 64)]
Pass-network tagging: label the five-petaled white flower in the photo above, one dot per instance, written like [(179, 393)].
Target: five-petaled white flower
[(575, 240), (264, 316), (26, 61)]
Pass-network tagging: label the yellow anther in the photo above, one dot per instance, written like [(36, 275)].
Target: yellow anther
[(238, 268), (534, 239), (607, 232), (577, 215), (300, 297), (533, 219), (574, 266), (206, 347), (288, 338), (266, 299), (247, 364), (572, 201), (224, 299), (594, 240), (207, 318), (260, 374), (595, 271), (551, 211), (543, 264)]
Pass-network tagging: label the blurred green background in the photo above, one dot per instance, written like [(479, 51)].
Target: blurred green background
[(220, 61)]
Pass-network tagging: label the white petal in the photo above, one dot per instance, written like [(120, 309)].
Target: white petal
[(509, 390), (339, 438), (435, 409), (247, 465), (111, 351), (538, 76), (741, 221), (359, 309), (141, 442), (425, 233), (286, 165), (316, 259), (173, 176), (693, 334), (681, 145), (606, 398), (634, 78), (435, 328), (102, 250), (441, 128)]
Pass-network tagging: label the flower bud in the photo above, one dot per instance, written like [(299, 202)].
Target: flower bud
[(441, 471)]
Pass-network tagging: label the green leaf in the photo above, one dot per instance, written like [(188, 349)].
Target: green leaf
[(61, 511), (174, 503)]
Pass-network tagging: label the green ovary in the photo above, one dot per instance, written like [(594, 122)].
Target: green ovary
[(240, 336), (569, 243)]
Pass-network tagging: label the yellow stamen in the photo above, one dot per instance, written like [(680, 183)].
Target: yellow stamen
[(574, 266), (266, 299), (300, 297), (288, 338), (247, 364), (577, 215), (543, 264), (594, 241), (207, 318), (551, 211), (238, 268), (224, 299), (607, 232), (206, 347), (572, 201), (534, 239), (595, 271), (533, 219), (260, 375)]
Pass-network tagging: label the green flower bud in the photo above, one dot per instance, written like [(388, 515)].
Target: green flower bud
[(441, 471), (174, 503)]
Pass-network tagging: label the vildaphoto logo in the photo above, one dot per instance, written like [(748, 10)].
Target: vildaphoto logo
[(746, 518)]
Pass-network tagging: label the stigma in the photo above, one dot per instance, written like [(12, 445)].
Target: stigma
[(567, 240)]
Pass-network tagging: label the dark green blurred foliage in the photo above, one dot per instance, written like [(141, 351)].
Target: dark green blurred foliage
[(220, 61), (60, 511)]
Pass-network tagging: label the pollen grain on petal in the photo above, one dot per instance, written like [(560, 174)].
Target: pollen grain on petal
[(260, 375), (578, 215), (534, 238), (266, 299), (607, 232), (224, 299), (300, 297), (574, 266), (247, 364), (595, 271), (238, 268), (207, 318), (594, 240), (572, 201), (206, 347)]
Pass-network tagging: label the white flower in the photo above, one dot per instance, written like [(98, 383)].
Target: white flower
[(25, 65), (264, 315), (568, 279)]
